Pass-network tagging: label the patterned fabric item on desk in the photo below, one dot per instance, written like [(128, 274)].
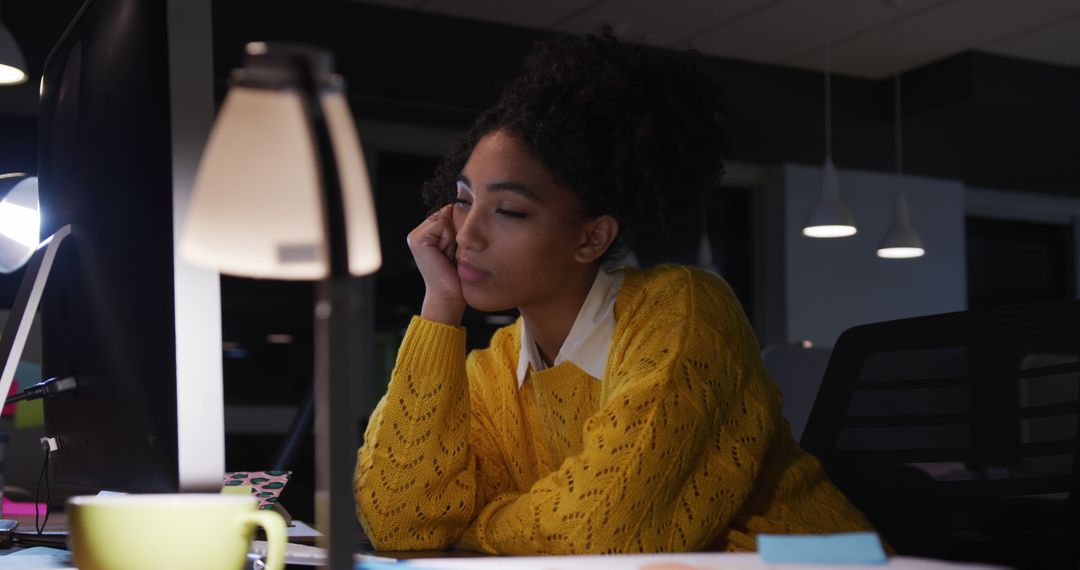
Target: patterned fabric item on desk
[(265, 485)]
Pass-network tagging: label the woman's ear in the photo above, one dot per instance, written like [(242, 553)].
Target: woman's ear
[(596, 237)]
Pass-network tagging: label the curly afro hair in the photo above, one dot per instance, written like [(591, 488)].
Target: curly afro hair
[(634, 133)]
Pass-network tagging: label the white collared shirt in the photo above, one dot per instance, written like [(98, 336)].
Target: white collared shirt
[(589, 339)]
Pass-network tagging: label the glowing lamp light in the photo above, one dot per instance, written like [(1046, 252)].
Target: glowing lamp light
[(901, 241), (257, 208), (831, 218), (20, 224), (12, 63), (11, 75), (900, 252)]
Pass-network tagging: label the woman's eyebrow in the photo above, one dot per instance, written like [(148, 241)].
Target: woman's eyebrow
[(503, 186), (463, 181), (515, 187)]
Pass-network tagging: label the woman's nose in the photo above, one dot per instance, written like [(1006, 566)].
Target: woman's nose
[(469, 230)]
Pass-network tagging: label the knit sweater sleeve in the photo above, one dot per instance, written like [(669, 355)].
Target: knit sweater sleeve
[(674, 449), (417, 474)]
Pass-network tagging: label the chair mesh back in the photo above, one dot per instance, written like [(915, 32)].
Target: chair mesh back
[(978, 412)]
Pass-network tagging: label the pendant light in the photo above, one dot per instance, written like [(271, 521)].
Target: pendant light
[(12, 62), (831, 218), (901, 241)]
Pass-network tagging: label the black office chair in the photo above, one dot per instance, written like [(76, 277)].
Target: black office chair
[(956, 434)]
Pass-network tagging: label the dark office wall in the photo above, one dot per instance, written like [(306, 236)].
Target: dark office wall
[(18, 145), (995, 122), (988, 120)]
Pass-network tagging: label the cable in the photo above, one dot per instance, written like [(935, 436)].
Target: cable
[(46, 388), (37, 495)]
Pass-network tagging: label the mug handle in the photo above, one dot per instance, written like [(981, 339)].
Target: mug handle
[(274, 526)]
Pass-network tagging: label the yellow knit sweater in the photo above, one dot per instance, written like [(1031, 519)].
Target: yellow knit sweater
[(680, 447)]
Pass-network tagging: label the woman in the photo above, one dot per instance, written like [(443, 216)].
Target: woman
[(626, 410)]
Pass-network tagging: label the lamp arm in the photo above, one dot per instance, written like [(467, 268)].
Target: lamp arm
[(333, 205), (335, 311)]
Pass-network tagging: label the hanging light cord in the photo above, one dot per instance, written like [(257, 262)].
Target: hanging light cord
[(828, 103), (899, 128), (898, 5)]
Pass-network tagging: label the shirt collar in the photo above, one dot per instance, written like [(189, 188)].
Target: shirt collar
[(590, 337)]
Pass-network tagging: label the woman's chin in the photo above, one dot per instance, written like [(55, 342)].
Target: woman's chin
[(485, 304)]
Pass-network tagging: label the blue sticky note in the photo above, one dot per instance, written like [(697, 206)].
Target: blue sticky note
[(842, 548), (377, 565)]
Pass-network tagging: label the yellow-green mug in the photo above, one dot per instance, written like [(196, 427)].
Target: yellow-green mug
[(181, 531)]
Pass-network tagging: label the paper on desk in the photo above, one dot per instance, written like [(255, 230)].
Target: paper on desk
[(37, 557), (300, 529), (305, 555)]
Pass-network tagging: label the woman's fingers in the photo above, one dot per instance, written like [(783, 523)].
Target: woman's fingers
[(433, 245), (436, 231), (448, 235)]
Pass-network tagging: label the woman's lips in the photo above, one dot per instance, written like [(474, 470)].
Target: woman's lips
[(471, 273)]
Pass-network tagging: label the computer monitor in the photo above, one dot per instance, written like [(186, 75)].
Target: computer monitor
[(117, 311)]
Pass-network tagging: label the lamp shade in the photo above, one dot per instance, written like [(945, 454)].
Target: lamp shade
[(831, 218), (256, 209), (20, 224), (12, 62), (901, 241)]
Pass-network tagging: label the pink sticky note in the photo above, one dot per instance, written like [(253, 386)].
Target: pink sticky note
[(9, 409), (14, 508)]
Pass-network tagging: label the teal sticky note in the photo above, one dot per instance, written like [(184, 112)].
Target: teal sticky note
[(27, 373), (841, 548)]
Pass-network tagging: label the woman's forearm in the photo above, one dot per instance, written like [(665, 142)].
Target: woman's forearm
[(415, 481)]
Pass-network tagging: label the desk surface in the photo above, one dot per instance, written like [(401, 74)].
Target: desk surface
[(685, 561), (698, 561)]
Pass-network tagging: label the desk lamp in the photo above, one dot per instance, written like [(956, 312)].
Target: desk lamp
[(20, 221), (282, 192)]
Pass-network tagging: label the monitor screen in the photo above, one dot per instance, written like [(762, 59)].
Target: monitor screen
[(109, 312)]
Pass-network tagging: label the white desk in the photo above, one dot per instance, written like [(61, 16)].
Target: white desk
[(694, 561), (690, 561)]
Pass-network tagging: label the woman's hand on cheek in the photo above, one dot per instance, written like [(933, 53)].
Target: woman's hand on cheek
[(433, 245)]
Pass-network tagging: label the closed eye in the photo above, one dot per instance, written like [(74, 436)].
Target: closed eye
[(510, 213)]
